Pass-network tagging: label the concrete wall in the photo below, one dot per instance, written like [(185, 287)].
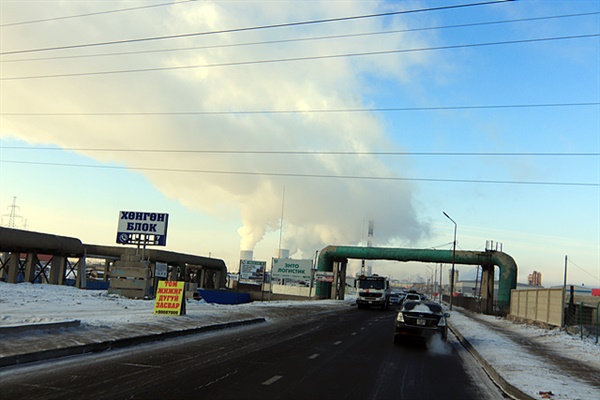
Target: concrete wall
[(291, 290), (538, 305), (280, 292), (258, 296)]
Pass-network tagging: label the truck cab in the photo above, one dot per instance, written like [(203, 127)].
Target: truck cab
[(373, 291)]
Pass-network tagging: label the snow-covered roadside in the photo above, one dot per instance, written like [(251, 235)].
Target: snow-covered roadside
[(522, 367), (26, 303), (29, 304), (568, 345)]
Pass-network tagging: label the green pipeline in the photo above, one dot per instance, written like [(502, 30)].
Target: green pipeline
[(507, 265)]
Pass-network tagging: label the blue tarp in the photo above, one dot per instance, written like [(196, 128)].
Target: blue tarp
[(224, 296)]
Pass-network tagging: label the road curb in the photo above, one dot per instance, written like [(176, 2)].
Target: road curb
[(20, 359), (39, 327), (489, 369)]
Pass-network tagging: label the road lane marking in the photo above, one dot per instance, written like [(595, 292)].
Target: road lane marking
[(338, 342), (314, 356), (272, 380), (43, 387), (216, 380), (141, 365), (353, 334)]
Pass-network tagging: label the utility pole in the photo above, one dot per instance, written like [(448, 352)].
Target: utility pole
[(441, 291), (453, 260), (476, 278), (369, 244), (564, 293)]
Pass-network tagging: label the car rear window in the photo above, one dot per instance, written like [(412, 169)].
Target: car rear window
[(431, 307)]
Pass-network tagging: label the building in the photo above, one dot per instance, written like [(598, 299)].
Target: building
[(535, 279)]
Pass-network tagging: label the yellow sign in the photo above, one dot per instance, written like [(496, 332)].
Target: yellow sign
[(169, 298)]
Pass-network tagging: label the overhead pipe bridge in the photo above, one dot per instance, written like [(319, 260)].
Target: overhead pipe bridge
[(487, 259), (16, 242)]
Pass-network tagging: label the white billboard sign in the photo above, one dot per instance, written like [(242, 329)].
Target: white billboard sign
[(135, 223), (287, 268), (254, 270), (323, 276), (161, 270)]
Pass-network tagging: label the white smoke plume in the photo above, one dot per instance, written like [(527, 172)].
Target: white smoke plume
[(317, 211)]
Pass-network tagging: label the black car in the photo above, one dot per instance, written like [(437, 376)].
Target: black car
[(421, 320)]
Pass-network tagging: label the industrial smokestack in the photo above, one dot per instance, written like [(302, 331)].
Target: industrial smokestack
[(282, 253)]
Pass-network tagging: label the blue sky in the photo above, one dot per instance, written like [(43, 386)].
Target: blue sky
[(498, 124)]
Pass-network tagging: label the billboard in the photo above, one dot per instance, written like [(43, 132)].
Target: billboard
[(252, 270), (287, 268), (134, 224), (323, 276), (169, 298), (161, 270)]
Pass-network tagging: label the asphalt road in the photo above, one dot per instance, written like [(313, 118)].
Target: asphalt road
[(343, 355)]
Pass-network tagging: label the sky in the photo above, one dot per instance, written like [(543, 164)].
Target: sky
[(266, 125)]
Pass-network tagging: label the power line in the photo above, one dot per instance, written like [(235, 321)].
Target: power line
[(307, 58), (307, 111), (94, 13), (308, 153), (319, 176), (253, 28), (583, 270), (303, 39)]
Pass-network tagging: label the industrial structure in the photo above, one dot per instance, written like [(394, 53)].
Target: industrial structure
[(335, 258), (535, 279), (44, 258)]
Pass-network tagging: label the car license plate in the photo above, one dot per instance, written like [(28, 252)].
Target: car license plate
[(421, 321)]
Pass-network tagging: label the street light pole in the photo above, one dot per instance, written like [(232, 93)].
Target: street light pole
[(429, 279), (453, 260), (441, 286)]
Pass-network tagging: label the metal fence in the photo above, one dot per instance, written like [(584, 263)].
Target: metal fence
[(582, 319), (473, 304)]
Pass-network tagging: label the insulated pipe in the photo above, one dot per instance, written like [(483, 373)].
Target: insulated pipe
[(168, 257), (21, 241), (507, 265)]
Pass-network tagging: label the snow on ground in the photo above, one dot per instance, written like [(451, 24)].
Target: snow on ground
[(523, 367), (27, 303), (567, 345)]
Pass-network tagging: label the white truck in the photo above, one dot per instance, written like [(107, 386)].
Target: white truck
[(373, 291)]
